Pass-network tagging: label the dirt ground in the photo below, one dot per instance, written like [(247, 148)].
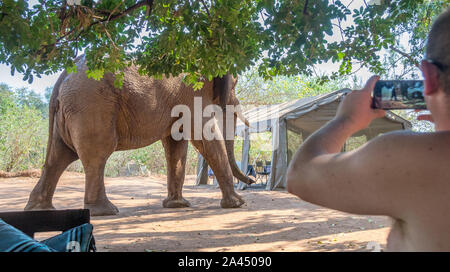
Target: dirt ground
[(269, 221)]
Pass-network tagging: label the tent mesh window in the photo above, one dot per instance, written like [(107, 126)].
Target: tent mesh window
[(260, 147), (238, 141), (294, 141)]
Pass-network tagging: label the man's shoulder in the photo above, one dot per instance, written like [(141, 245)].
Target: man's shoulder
[(407, 147), (415, 139), (424, 152)]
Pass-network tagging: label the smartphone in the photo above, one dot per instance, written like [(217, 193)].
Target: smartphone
[(398, 94)]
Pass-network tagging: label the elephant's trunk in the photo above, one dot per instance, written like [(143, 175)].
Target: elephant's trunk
[(237, 173), (241, 117), (229, 145), (223, 89)]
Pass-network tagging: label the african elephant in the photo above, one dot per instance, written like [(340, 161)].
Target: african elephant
[(89, 120)]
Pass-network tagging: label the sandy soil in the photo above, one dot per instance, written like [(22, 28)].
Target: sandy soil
[(269, 221)]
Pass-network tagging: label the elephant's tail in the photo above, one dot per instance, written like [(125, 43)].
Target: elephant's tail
[(53, 106)]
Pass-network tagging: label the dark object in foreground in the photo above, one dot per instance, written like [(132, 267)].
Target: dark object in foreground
[(18, 228), (31, 222), (398, 94)]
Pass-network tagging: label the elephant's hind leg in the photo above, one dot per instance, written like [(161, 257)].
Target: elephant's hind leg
[(95, 141), (94, 157), (95, 194), (176, 152), (59, 157)]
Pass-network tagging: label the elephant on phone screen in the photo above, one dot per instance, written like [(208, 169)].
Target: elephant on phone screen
[(89, 120)]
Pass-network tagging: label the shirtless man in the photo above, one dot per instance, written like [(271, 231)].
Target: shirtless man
[(404, 175)]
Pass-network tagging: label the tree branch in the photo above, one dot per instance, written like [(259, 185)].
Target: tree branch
[(341, 30), (206, 7), (148, 3), (108, 17), (2, 15), (305, 8), (406, 55)]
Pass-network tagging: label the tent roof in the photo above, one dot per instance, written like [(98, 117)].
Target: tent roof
[(310, 113)]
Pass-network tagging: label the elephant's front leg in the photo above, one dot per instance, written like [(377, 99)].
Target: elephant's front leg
[(215, 154), (176, 152)]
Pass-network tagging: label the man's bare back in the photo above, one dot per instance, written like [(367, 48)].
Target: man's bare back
[(423, 190), (404, 175)]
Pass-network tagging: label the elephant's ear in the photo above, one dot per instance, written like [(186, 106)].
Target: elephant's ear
[(222, 88)]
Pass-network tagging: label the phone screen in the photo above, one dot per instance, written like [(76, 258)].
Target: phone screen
[(398, 94)]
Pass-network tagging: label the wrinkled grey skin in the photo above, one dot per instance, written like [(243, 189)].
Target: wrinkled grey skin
[(90, 119)]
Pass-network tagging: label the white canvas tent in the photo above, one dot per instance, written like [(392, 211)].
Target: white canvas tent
[(301, 118)]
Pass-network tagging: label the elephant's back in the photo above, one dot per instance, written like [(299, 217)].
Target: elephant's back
[(145, 106), (77, 89), (135, 87), (140, 110)]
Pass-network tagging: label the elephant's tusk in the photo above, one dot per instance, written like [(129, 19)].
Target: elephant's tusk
[(241, 116)]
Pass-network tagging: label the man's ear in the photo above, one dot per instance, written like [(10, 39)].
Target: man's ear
[(431, 75)]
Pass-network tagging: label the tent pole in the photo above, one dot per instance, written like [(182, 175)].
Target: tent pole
[(202, 171), (245, 157), (277, 177)]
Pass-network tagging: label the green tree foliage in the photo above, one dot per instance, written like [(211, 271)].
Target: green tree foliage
[(30, 99), (6, 98), (207, 38), (381, 28), (22, 97), (23, 131)]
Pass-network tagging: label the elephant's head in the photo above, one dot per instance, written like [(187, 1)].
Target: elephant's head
[(223, 95)]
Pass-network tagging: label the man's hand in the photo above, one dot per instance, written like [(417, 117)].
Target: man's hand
[(355, 110)]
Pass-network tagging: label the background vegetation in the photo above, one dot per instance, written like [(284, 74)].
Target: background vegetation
[(23, 129)]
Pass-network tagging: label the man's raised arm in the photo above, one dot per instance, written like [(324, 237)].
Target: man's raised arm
[(352, 181)]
